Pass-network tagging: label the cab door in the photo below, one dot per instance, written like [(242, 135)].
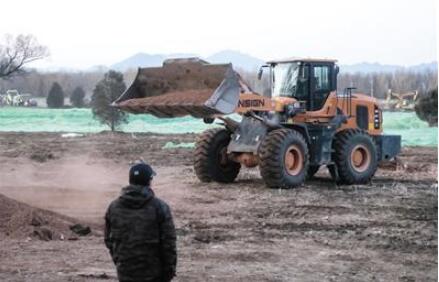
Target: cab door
[(321, 84)]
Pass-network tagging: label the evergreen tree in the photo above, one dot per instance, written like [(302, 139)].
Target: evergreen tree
[(55, 99), (106, 91), (77, 97), (426, 107)]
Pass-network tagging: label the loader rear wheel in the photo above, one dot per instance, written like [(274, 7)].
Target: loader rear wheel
[(211, 161), (284, 159), (355, 156)]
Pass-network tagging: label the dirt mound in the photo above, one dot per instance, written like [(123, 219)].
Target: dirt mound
[(42, 156), (176, 98), (171, 104), (19, 220), (197, 97)]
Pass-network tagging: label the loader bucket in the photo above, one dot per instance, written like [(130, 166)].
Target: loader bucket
[(182, 87)]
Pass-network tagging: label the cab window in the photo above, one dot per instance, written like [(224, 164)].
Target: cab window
[(321, 86), (302, 84), (321, 78)]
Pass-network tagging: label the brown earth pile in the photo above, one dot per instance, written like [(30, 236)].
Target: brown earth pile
[(19, 220), (171, 104), (242, 231), (195, 97)]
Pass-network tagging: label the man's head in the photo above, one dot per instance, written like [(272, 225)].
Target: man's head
[(141, 174)]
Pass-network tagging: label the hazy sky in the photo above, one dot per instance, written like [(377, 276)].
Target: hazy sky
[(82, 33)]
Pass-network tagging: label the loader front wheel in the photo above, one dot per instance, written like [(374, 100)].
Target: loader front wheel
[(211, 161), (355, 156), (284, 159)]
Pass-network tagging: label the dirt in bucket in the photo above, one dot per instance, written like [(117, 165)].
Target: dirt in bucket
[(194, 97)]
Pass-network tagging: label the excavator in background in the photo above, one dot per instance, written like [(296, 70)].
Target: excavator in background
[(16, 99), (304, 125), (400, 101)]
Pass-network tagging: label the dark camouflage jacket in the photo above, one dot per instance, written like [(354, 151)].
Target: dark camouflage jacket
[(140, 234)]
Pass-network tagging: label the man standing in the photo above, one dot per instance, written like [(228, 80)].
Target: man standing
[(139, 231)]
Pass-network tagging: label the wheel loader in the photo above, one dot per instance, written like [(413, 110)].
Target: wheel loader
[(304, 125)]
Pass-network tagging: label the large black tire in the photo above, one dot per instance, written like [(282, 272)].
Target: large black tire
[(355, 157), (276, 170), (211, 163), (312, 170)]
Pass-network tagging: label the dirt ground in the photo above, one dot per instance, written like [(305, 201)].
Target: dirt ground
[(384, 231)]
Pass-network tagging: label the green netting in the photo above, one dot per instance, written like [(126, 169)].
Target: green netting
[(413, 130)]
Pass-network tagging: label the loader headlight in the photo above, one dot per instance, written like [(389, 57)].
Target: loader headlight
[(377, 118)]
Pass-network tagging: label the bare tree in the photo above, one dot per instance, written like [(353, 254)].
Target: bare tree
[(15, 52)]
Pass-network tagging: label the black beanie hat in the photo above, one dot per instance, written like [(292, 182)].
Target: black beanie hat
[(141, 174)]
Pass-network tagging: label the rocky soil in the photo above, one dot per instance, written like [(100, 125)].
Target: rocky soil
[(383, 231)]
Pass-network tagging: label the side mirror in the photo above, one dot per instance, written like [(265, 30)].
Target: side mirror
[(334, 77), (261, 70)]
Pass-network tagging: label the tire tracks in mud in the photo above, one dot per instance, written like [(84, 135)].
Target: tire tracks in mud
[(390, 228), (365, 217)]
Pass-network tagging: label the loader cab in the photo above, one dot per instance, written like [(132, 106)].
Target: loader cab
[(307, 80)]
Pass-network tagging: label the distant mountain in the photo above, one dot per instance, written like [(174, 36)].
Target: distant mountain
[(247, 62), (238, 59), (97, 68), (376, 67), (423, 67)]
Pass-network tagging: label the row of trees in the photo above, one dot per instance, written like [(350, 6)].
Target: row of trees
[(378, 84), (105, 92), (374, 84), (55, 98), (39, 83)]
